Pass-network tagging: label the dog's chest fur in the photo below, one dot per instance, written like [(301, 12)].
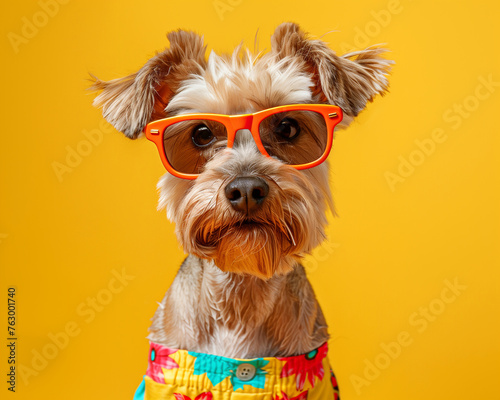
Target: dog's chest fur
[(210, 311)]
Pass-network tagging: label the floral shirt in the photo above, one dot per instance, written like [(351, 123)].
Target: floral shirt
[(186, 375)]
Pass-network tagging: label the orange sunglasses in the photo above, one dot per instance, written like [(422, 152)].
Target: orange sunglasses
[(301, 135)]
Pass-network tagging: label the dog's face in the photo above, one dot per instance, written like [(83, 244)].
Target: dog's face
[(249, 213)]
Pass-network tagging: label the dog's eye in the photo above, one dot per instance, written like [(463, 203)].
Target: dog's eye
[(288, 128), (202, 136)]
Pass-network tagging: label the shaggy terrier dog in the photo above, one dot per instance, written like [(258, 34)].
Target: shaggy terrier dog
[(244, 138)]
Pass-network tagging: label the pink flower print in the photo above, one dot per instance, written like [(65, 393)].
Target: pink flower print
[(302, 396), (308, 366), (159, 357), (201, 396)]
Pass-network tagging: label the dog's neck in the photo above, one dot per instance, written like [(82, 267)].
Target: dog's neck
[(238, 299), (240, 316)]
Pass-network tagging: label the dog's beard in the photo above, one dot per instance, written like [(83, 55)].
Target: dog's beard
[(270, 243), (259, 249)]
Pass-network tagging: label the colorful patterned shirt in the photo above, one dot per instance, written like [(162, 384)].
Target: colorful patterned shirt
[(186, 375)]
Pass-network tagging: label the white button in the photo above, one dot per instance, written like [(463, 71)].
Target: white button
[(245, 372)]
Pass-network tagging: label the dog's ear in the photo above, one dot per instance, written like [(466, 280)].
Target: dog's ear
[(349, 81), (131, 102)]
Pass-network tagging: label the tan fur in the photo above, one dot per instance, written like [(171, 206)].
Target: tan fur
[(349, 81), (242, 291), (208, 310), (129, 103)]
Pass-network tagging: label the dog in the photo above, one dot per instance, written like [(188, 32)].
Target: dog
[(244, 138)]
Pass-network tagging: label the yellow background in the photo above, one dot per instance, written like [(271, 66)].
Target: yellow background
[(384, 269)]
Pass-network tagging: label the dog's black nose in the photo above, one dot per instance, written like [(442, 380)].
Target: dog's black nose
[(246, 194)]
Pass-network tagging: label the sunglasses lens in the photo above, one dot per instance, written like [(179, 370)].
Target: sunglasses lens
[(189, 144), (295, 137)]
